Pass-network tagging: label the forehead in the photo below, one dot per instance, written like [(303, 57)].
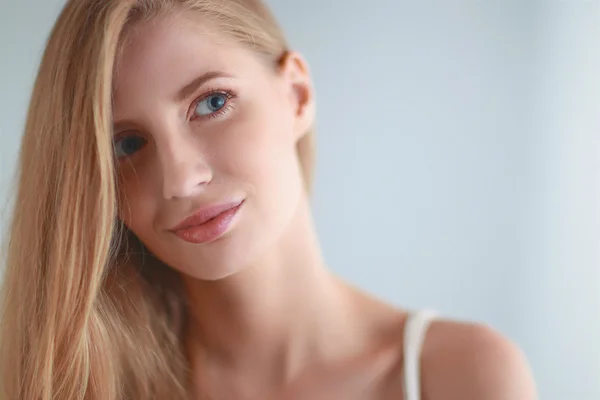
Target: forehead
[(162, 55)]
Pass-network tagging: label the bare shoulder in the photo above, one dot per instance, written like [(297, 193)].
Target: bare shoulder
[(463, 361)]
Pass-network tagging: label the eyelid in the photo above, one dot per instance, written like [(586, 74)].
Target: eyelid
[(126, 133), (128, 130), (120, 135), (227, 93)]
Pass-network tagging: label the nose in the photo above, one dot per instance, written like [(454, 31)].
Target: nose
[(185, 170)]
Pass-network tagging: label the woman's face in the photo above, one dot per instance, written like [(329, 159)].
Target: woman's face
[(205, 127)]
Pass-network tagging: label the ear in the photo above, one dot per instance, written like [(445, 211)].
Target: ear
[(295, 72)]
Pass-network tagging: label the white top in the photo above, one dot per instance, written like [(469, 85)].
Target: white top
[(414, 335)]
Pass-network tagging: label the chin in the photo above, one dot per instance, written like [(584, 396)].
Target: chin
[(215, 274), (216, 260)]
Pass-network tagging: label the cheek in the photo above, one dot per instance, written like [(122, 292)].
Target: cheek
[(268, 164), (135, 203), (259, 144)]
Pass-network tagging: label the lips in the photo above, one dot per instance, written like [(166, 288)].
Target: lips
[(204, 215)]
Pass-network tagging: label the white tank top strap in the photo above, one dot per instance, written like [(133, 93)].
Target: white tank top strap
[(415, 329)]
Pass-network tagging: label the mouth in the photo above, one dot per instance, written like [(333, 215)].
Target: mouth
[(208, 223)]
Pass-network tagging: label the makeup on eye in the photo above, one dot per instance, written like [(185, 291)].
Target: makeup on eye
[(126, 145), (211, 105)]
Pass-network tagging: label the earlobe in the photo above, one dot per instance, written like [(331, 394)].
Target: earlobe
[(295, 70)]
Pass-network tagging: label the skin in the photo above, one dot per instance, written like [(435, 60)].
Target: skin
[(268, 321)]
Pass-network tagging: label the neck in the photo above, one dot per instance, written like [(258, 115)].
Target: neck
[(275, 314)]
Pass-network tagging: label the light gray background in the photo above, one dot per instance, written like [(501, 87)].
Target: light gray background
[(458, 158)]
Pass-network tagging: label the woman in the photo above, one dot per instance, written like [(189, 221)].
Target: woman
[(162, 245)]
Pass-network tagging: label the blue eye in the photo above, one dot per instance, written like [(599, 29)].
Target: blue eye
[(129, 145), (211, 104)]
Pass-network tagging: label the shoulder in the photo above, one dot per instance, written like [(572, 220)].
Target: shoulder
[(472, 361)]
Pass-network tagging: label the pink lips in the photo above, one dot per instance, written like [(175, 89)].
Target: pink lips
[(207, 224)]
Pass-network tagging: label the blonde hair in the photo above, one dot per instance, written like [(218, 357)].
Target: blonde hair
[(81, 318)]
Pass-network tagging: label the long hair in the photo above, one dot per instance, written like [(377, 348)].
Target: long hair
[(85, 313)]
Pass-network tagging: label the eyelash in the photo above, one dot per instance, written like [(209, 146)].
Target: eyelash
[(229, 94)]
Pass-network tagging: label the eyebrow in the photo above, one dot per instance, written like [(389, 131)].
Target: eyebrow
[(191, 87)]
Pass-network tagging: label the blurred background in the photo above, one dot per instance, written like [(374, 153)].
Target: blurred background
[(458, 159)]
